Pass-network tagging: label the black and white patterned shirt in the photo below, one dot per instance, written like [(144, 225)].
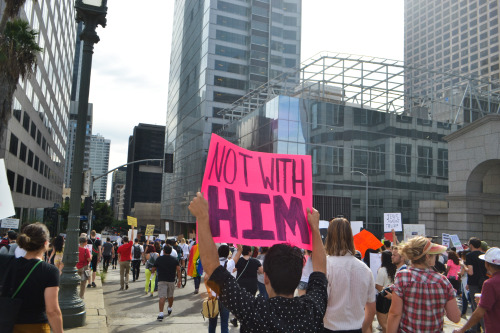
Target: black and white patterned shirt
[(277, 314)]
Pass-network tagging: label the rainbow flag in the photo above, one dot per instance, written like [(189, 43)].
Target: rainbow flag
[(194, 264)]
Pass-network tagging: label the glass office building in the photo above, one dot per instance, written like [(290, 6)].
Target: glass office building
[(404, 158), (99, 163), (221, 50)]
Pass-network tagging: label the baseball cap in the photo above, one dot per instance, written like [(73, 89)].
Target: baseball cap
[(484, 246), (491, 256)]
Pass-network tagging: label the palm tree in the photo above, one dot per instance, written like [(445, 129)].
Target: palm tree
[(18, 58)]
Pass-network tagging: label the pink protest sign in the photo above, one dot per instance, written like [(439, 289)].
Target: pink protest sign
[(257, 198)]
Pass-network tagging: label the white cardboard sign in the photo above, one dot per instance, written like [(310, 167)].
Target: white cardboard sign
[(392, 221), (6, 204), (375, 263), (162, 236), (413, 230), (356, 227), (455, 241), (10, 223), (445, 239), (167, 226)]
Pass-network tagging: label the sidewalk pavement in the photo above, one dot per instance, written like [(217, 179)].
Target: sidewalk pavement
[(96, 314)]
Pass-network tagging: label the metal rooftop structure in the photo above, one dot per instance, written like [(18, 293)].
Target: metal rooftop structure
[(377, 84)]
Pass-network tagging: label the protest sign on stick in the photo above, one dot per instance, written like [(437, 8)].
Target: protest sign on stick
[(257, 198), (392, 221)]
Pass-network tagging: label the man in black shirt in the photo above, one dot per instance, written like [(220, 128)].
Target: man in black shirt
[(282, 271), (108, 252), (476, 271), (167, 266)]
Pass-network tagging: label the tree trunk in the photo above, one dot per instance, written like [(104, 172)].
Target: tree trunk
[(7, 89)]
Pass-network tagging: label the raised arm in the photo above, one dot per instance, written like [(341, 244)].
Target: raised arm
[(318, 254), (208, 252)]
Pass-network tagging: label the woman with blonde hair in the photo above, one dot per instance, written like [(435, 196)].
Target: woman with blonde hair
[(39, 293), (351, 288), (421, 296)]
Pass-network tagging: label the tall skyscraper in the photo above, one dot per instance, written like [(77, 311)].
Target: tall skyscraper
[(99, 163), (37, 132), (70, 146), (118, 192), (459, 38), (143, 181), (221, 50)]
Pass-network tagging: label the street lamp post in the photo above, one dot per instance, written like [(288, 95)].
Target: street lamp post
[(92, 13), (366, 195)]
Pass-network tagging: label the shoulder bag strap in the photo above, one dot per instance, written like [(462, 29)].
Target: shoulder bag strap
[(26, 278), (243, 269)]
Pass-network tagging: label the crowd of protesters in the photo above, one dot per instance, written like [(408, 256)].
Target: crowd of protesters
[(277, 289)]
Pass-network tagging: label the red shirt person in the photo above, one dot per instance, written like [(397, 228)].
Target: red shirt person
[(84, 258), (124, 257)]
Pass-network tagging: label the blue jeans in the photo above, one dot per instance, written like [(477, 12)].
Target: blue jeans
[(465, 301), (224, 320), (197, 281), (262, 290)]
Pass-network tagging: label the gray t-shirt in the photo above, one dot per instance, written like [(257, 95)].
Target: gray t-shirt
[(106, 249), (11, 250)]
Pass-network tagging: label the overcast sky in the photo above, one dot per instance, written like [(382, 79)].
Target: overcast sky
[(130, 68)]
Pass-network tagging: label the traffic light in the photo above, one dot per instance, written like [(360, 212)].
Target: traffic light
[(87, 205)]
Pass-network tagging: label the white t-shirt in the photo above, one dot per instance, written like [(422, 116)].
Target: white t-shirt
[(350, 287), (185, 250), (230, 267), (307, 270), (19, 252), (383, 278)]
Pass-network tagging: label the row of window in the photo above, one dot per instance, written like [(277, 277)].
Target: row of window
[(373, 160), (27, 186)]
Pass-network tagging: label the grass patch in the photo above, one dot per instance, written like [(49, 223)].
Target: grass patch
[(103, 276)]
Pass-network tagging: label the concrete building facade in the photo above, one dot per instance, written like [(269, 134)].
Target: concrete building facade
[(99, 164), (37, 132)]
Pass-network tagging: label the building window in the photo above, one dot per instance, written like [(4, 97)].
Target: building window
[(230, 83), (232, 23), (33, 189), (20, 184), (11, 176), (26, 121), (334, 114), (231, 37), (315, 115), (22, 152), (14, 143), (403, 158), (27, 187), (424, 167), (334, 160), (377, 159), (30, 158), (230, 52), (315, 156), (36, 163), (442, 167), (225, 97)]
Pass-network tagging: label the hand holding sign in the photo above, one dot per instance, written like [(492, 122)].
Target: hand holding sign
[(313, 218), (199, 208)]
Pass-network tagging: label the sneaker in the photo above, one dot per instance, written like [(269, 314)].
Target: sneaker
[(463, 316), (93, 284), (159, 318), (169, 311), (121, 288), (195, 291), (89, 285), (126, 287), (234, 321), (147, 292), (152, 294)]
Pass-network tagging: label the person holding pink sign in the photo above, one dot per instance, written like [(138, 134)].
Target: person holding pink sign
[(282, 312)]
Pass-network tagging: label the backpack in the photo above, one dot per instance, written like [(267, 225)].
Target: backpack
[(152, 259), (95, 248), (4, 242), (137, 252)]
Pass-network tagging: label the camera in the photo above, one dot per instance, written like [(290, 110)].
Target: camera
[(384, 291)]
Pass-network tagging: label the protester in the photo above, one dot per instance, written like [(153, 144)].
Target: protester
[(195, 269), (137, 251), (114, 259), (282, 270), (247, 269), (167, 266), (10, 245), (152, 254), (96, 256), (397, 259), (260, 276), (229, 265), (108, 252), (385, 278), (489, 304), (453, 268), (476, 271), (464, 278), (57, 253), (185, 252), (304, 278), (351, 288), (82, 266), (39, 295), (421, 296), (124, 258)]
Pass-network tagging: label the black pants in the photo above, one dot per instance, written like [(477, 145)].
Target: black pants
[(105, 263), (326, 330), (136, 267)]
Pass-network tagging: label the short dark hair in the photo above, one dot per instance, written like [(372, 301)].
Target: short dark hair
[(125, 239), (12, 235), (476, 242), (223, 251), (108, 239), (167, 249), (136, 240), (246, 250), (387, 244), (283, 265)]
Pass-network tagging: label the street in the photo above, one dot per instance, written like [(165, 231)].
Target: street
[(132, 311)]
